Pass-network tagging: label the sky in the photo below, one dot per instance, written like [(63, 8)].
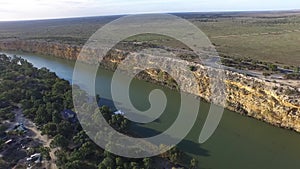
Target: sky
[(46, 9)]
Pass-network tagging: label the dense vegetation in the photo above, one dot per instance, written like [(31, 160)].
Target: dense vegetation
[(43, 96)]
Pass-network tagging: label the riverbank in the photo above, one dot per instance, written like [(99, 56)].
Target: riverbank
[(272, 102), (236, 137), (44, 105)]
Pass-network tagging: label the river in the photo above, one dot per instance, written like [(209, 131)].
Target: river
[(239, 141)]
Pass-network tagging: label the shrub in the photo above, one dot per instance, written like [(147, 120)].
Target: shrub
[(193, 68), (266, 74)]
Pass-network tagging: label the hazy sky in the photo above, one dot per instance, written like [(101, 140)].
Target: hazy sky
[(42, 9)]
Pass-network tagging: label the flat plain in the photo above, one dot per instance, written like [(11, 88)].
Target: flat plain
[(272, 37)]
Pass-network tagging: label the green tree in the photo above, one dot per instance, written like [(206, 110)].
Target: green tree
[(59, 141), (297, 69), (175, 155), (60, 87), (147, 163), (50, 129), (80, 138), (65, 128), (56, 117), (45, 151), (119, 161), (134, 165), (273, 67), (193, 163), (75, 155), (86, 149), (97, 98), (77, 164), (101, 166), (62, 157), (108, 162)]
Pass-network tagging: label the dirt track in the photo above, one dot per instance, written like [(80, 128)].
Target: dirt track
[(36, 134)]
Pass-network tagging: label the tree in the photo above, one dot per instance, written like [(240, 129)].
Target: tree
[(62, 157), (42, 116), (297, 69), (119, 161), (56, 117), (134, 165), (193, 163), (60, 87), (175, 158), (126, 165), (65, 128), (175, 155), (50, 129), (59, 141), (107, 154), (68, 100), (75, 155), (80, 137), (105, 112), (101, 166), (273, 67), (147, 163), (124, 125), (45, 152), (98, 98), (108, 162), (77, 164), (87, 149)]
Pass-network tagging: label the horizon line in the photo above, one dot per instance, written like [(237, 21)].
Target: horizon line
[(138, 13)]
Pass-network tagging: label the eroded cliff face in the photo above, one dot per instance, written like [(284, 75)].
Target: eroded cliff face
[(65, 51), (267, 101), (271, 102)]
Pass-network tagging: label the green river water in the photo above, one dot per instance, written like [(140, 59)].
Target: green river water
[(239, 142)]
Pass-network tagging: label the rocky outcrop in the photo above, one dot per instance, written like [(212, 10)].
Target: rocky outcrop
[(267, 101), (271, 102), (65, 51)]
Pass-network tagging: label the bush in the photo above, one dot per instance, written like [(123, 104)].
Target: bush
[(273, 67), (193, 68), (266, 74), (292, 76)]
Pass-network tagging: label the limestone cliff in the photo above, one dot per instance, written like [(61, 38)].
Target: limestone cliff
[(41, 47), (271, 102)]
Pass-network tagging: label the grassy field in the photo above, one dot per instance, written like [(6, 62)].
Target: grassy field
[(270, 38), (264, 36)]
